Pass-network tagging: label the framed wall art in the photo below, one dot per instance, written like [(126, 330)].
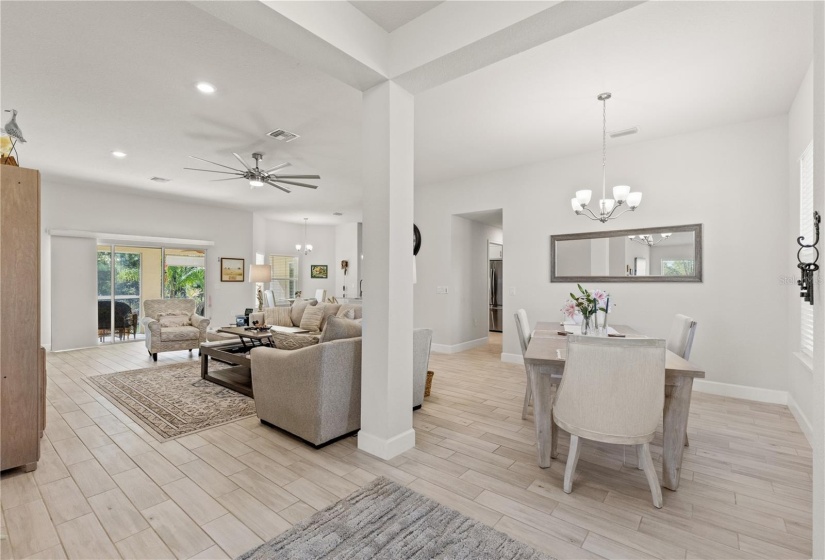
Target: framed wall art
[(232, 270), (318, 271)]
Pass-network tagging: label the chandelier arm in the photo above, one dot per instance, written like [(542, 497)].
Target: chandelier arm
[(626, 210), (589, 214)]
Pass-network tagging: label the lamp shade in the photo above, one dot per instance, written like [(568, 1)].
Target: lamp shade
[(620, 192), (583, 197), (260, 273), (606, 205), (634, 199), (574, 202)]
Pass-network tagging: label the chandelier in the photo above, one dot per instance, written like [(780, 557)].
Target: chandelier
[(306, 247), (621, 193), (648, 239)]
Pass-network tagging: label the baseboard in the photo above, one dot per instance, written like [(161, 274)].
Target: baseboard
[(512, 358), (455, 348), (386, 448), (801, 419), (757, 394)]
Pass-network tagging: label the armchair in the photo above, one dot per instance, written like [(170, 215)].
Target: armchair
[(186, 335)]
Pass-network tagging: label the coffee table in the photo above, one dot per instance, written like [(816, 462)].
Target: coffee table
[(239, 376)]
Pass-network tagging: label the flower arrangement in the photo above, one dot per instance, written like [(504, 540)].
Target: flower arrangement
[(586, 304)]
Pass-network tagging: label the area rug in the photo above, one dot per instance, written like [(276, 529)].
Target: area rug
[(172, 401), (388, 521)]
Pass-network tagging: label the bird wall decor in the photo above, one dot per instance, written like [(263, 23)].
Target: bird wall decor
[(13, 131)]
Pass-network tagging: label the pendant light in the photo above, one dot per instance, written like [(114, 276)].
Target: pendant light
[(621, 193), (306, 247)]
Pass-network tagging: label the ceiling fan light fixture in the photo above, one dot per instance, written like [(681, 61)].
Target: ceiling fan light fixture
[(255, 183)]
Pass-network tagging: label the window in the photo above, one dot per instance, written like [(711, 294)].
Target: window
[(680, 267), (284, 276), (806, 229), (184, 275)]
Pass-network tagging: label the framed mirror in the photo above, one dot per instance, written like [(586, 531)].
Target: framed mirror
[(660, 254)]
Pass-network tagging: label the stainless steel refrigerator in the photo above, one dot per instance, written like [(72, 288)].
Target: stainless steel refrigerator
[(496, 299)]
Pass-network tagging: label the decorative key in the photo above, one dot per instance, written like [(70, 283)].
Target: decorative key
[(807, 269)]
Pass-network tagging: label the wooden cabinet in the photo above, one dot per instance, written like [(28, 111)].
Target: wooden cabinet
[(22, 360)]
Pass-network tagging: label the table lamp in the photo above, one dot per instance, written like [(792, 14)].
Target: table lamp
[(258, 274)]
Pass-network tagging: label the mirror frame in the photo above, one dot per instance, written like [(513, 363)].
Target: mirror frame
[(696, 229)]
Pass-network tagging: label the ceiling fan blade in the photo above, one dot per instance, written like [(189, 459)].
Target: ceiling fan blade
[(286, 190), (213, 163), (238, 173), (240, 159), (277, 167), (297, 176), (227, 179), (297, 184)]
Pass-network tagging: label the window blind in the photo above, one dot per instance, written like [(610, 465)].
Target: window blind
[(806, 229), (284, 276)]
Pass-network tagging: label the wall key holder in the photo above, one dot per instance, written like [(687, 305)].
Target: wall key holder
[(806, 282)]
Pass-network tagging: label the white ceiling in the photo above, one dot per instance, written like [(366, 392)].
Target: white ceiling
[(672, 67), (393, 14), (101, 76)]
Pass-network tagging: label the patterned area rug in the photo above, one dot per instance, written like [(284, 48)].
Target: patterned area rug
[(173, 400), (388, 521)]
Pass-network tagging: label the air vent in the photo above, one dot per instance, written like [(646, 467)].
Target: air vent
[(625, 132), (283, 135), (337, 214), (160, 179)]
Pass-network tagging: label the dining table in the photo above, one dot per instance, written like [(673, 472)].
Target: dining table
[(544, 361)]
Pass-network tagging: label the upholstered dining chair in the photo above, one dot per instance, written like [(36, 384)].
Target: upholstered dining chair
[(680, 342), (524, 336), (680, 339), (613, 391)]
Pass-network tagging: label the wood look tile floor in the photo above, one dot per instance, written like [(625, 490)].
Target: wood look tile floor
[(105, 488)]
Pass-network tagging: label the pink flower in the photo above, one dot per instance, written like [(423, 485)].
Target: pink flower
[(600, 295), (569, 309)]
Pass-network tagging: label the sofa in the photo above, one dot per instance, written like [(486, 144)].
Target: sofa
[(172, 324), (294, 315), (315, 392)]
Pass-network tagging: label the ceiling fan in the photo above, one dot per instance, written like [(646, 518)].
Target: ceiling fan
[(258, 177)]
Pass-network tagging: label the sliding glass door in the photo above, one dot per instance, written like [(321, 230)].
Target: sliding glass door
[(128, 276)]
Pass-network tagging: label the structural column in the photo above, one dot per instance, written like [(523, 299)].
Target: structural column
[(386, 366)]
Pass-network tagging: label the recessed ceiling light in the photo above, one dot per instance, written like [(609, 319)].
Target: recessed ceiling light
[(337, 214), (160, 179), (118, 154), (205, 87)]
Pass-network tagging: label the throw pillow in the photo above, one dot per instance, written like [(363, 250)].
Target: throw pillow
[(339, 328), (311, 320), (279, 316), (330, 309), (349, 311), (287, 341), (297, 311), (173, 320)]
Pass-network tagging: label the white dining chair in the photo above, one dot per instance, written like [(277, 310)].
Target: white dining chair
[(612, 391), (680, 342), (321, 296), (680, 339), (524, 336), (269, 298)]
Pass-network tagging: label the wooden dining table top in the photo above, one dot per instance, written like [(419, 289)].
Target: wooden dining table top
[(547, 346)]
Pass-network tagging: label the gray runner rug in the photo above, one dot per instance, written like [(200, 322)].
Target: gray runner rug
[(388, 521)]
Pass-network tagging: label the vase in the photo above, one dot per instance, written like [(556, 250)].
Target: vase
[(587, 325)]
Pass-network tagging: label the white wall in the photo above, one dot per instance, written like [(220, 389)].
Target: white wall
[(469, 297), (678, 175), (108, 211), (281, 238), (74, 261), (346, 249), (800, 134)]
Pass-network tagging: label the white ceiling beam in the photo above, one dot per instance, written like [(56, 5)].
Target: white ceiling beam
[(450, 41), (334, 37), (536, 29)]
